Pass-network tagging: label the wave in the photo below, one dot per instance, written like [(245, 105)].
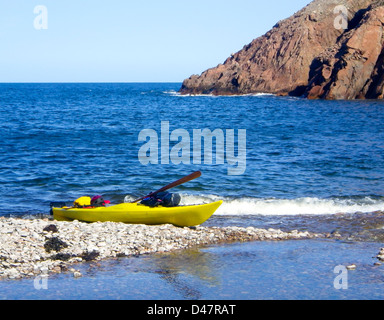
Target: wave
[(178, 94), (298, 206)]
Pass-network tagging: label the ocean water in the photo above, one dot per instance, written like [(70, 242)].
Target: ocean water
[(62, 141), (308, 165)]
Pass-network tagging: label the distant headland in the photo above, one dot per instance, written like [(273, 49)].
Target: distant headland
[(331, 49)]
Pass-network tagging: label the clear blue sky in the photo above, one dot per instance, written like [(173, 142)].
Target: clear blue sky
[(129, 41)]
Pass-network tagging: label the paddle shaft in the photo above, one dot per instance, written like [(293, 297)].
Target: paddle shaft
[(176, 183)]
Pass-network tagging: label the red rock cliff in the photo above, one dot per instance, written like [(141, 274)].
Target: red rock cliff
[(307, 55)]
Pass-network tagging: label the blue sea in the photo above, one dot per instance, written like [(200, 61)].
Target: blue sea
[(307, 165)]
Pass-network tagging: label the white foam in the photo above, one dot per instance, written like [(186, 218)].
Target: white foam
[(273, 206), (172, 92), (178, 94), (305, 205)]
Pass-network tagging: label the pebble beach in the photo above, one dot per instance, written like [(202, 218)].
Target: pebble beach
[(30, 247)]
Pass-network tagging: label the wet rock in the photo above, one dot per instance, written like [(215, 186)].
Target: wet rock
[(89, 256), (77, 274), (54, 244), (62, 256), (51, 228), (380, 255)]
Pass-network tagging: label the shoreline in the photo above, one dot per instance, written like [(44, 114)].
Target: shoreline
[(32, 247)]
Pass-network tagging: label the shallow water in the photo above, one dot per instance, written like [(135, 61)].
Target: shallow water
[(294, 269), (352, 227)]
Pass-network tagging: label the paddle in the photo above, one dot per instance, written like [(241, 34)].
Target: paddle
[(176, 183)]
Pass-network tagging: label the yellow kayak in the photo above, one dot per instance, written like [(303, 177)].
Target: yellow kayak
[(182, 216)]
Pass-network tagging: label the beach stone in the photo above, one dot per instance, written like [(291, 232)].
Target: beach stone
[(380, 255)]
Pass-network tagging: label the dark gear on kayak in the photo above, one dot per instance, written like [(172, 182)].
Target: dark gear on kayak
[(165, 199)]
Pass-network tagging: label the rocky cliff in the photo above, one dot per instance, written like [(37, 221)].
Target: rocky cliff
[(308, 54)]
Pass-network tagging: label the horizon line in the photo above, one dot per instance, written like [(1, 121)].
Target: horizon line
[(57, 82)]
